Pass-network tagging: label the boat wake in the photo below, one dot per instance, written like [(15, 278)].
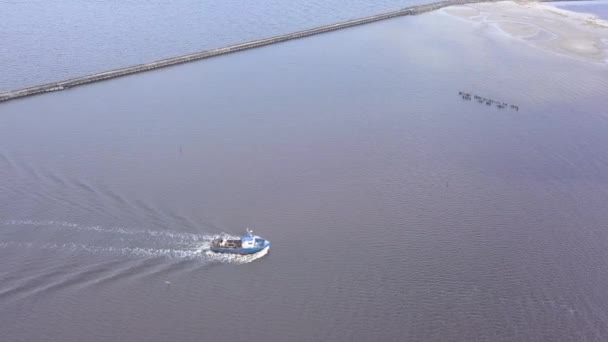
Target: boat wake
[(74, 238), (235, 258)]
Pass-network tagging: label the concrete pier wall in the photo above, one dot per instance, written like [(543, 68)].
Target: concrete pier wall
[(66, 84)]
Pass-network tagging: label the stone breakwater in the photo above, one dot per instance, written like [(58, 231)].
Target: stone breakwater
[(66, 84)]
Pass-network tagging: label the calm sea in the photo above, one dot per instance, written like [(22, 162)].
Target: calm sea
[(397, 210), (44, 41)]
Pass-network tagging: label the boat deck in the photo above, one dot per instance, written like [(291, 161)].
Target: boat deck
[(221, 243)]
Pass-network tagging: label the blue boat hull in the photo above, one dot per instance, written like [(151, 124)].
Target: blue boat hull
[(242, 251)]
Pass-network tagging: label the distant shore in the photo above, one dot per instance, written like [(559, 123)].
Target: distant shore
[(588, 47)]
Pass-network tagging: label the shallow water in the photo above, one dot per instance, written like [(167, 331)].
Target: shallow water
[(596, 7), (397, 210), (45, 41)]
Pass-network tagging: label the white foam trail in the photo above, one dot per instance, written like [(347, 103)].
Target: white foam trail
[(235, 258), (189, 246), (169, 253), (118, 230), (201, 252)]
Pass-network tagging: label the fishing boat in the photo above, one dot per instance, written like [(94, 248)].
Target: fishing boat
[(247, 244)]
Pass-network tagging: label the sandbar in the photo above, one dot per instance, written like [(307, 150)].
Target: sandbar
[(580, 35)]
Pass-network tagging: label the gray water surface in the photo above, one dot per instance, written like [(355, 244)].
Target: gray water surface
[(44, 41), (397, 210)]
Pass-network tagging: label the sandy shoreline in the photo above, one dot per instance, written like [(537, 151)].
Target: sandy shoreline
[(574, 34)]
